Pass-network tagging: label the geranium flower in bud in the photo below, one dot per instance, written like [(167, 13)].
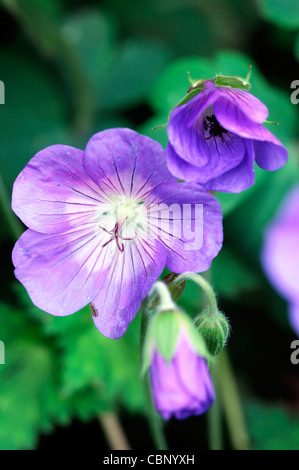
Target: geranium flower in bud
[(280, 253), (215, 138), (100, 230), (182, 386)]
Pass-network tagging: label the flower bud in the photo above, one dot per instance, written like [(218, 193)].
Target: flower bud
[(181, 383), (214, 329)]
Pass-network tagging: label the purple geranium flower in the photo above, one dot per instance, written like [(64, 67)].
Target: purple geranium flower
[(181, 387), (215, 138), (87, 216), (280, 253)]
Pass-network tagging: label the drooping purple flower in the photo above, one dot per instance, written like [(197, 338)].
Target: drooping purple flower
[(181, 387), (215, 138), (90, 238), (280, 253)]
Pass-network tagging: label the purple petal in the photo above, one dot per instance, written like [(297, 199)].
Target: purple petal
[(180, 168), (239, 178), (122, 161), (192, 143), (61, 273), (130, 278), (280, 257), (199, 103), (294, 315), (270, 153), (209, 157), (289, 209), (280, 254), (182, 132), (53, 193), (248, 104), (187, 221), (183, 387)]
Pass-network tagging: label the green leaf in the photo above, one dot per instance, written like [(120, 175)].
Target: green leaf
[(172, 85), (111, 366), (271, 427), (29, 394), (106, 370), (93, 37), (297, 47), (38, 18), (33, 115), (232, 276), (119, 76), (159, 134), (282, 13), (136, 67)]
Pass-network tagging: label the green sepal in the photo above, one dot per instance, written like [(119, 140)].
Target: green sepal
[(166, 327), (196, 86), (195, 337), (162, 334), (214, 329), (233, 82), (190, 94)]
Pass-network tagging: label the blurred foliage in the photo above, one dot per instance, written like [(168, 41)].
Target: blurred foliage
[(285, 14), (272, 427), (74, 67)]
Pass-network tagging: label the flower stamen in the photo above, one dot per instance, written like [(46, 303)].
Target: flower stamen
[(115, 235), (215, 130)]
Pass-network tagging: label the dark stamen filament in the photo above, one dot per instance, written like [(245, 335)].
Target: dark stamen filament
[(115, 235), (211, 125)]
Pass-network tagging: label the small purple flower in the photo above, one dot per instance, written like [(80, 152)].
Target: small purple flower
[(280, 254), (87, 215), (183, 386), (215, 138)]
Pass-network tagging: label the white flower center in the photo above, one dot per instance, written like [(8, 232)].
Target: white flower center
[(123, 219)]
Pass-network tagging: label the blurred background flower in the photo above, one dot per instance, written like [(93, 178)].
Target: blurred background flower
[(72, 68), (280, 253)]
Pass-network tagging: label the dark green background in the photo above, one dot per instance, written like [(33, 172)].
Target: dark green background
[(72, 68)]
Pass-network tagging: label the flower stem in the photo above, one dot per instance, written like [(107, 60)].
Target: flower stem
[(206, 287), (155, 420), (215, 431), (113, 431), (231, 403)]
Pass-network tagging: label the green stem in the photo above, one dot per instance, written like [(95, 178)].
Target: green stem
[(113, 431), (166, 302), (231, 403), (215, 431), (155, 420), (205, 285)]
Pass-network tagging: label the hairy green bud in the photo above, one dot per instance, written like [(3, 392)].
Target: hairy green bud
[(214, 329)]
